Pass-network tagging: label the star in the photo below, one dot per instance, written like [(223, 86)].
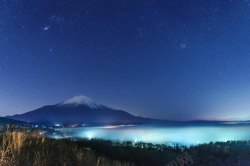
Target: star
[(46, 28), (183, 45)]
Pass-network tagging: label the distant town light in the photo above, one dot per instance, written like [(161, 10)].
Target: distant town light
[(58, 125)]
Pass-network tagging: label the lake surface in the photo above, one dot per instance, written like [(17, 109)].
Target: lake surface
[(163, 134)]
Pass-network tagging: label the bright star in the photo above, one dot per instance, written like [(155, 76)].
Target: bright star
[(46, 28)]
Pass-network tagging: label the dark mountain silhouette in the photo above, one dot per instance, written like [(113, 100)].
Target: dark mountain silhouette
[(82, 110), (4, 121), (79, 110)]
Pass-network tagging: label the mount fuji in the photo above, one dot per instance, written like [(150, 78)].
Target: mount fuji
[(79, 110)]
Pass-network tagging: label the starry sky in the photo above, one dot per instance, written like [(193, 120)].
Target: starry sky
[(174, 59)]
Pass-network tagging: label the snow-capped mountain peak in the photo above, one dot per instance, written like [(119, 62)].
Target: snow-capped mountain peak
[(78, 100)]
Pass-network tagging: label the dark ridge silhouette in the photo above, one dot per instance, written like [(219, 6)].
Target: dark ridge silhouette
[(79, 110)]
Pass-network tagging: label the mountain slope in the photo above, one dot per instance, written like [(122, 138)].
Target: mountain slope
[(4, 121), (79, 110)]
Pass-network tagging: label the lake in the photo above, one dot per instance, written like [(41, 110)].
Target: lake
[(184, 135)]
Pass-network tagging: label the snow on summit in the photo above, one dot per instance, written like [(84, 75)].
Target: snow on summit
[(77, 100)]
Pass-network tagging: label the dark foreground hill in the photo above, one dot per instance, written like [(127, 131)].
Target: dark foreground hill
[(30, 150)]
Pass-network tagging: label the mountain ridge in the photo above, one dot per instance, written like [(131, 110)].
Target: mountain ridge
[(5, 120), (83, 110), (79, 110)]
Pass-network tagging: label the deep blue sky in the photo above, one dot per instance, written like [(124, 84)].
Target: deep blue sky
[(171, 59)]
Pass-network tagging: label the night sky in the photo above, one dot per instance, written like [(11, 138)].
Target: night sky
[(168, 59)]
